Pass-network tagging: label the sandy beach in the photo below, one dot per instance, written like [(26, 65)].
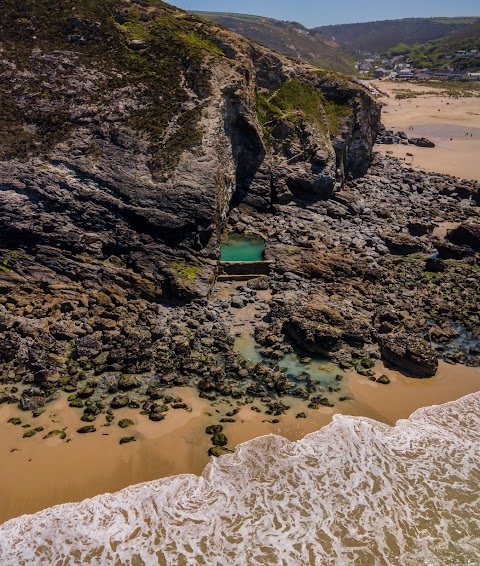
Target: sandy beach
[(37, 473), (452, 123)]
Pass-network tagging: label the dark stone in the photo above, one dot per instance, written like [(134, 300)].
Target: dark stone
[(86, 429), (409, 352), (435, 265), (119, 402), (421, 142), (452, 251), (127, 440), (467, 234)]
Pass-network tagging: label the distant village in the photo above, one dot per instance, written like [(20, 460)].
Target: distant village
[(399, 68)]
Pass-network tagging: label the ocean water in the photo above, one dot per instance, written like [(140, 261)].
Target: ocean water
[(355, 493)]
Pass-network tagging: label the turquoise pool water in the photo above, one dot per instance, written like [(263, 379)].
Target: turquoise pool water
[(242, 248)]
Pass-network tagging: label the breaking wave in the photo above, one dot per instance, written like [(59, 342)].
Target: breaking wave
[(356, 492)]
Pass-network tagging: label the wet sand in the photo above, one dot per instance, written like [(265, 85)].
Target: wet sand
[(404, 395), (40, 473), (452, 123)]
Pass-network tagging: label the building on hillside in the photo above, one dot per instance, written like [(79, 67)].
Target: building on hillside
[(440, 75), (422, 74), (458, 76), (381, 73)]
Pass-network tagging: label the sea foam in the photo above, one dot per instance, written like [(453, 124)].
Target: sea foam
[(357, 492)]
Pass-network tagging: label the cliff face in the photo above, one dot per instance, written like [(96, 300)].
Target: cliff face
[(131, 129)]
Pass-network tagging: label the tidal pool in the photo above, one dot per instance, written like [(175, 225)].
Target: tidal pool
[(322, 372), (238, 247)]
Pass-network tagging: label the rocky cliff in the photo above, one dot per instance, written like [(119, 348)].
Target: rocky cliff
[(130, 129)]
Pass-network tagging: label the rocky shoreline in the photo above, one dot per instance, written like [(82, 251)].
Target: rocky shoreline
[(354, 278), (121, 168)]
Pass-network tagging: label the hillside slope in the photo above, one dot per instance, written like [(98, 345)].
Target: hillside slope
[(434, 53), (289, 38), (377, 37)]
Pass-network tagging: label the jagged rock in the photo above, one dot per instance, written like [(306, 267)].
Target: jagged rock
[(409, 352), (319, 328)]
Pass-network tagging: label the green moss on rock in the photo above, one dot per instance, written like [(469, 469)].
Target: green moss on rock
[(58, 433)]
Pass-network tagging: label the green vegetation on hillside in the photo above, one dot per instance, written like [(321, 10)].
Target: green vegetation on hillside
[(296, 102), (455, 21), (148, 46), (289, 38), (378, 37), (441, 53)]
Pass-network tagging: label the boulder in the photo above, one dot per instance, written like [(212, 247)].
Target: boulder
[(435, 265), (452, 251), (421, 142), (402, 244), (467, 234), (86, 429), (411, 353)]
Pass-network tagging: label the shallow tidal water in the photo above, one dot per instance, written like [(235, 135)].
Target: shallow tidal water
[(355, 492)]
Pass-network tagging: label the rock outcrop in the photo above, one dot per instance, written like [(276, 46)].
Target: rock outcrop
[(132, 134), (130, 127)]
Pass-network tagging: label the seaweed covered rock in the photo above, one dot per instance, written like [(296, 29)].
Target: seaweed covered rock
[(219, 439), (218, 451)]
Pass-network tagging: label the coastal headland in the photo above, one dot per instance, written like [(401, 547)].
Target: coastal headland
[(130, 348)]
